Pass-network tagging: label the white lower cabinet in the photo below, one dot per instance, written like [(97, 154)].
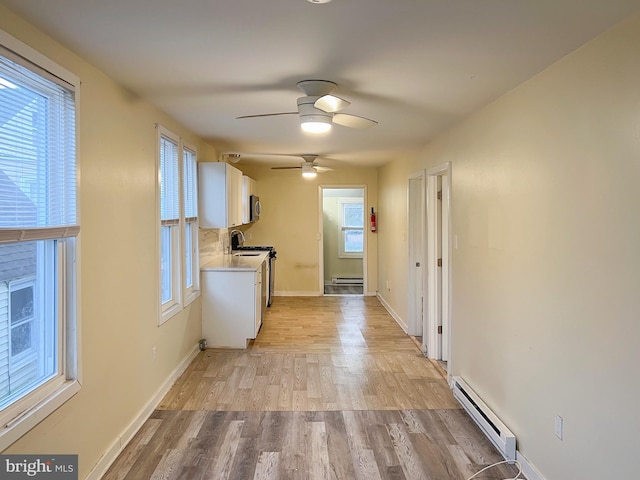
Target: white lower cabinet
[(232, 307)]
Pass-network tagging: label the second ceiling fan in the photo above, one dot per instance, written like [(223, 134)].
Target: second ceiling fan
[(318, 109), (309, 167)]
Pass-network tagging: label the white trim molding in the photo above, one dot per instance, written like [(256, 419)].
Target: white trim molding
[(128, 433)]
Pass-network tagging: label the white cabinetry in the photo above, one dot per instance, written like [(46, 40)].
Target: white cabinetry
[(248, 189), (232, 307), (219, 195)]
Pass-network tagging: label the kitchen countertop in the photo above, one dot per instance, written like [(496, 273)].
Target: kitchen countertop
[(231, 262)]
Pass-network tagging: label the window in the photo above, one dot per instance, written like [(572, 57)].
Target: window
[(178, 198), (169, 224), (38, 230), (190, 202), (351, 228)]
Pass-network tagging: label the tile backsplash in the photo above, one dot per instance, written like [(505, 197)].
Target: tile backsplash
[(213, 242)]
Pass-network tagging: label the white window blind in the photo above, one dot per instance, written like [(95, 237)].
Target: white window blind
[(190, 185), (169, 182), (37, 155)]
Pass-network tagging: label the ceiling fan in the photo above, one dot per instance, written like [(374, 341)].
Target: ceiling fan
[(318, 109), (309, 166)]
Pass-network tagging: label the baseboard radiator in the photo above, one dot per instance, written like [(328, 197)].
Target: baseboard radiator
[(489, 423), (347, 281)]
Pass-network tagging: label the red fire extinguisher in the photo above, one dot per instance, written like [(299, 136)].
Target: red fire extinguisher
[(373, 220)]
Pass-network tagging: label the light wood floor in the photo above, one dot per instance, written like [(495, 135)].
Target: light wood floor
[(332, 388)]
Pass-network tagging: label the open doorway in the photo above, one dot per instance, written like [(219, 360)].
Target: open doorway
[(343, 240)]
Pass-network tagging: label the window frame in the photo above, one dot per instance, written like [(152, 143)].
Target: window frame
[(190, 292), (184, 295), (20, 416), (342, 253), (173, 304)]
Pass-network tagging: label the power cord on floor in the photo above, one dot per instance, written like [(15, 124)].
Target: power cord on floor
[(500, 463)]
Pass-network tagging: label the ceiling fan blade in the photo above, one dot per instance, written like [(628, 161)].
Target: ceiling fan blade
[(320, 169), (285, 168), (267, 115), (353, 121), (331, 103)]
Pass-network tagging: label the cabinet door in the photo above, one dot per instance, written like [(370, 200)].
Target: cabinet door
[(220, 195), (258, 299), (228, 308), (234, 196), (248, 189)]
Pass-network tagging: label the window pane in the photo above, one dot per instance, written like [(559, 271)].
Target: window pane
[(169, 180), (166, 264), (188, 245), (353, 241), (37, 150), (21, 305), (20, 338), (353, 215), (190, 184), (28, 317)]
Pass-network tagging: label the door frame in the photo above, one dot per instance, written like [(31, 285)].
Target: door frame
[(436, 290), (416, 231), (320, 235)]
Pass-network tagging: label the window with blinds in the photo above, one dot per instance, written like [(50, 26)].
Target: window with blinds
[(178, 199), (169, 222), (38, 226), (190, 201)]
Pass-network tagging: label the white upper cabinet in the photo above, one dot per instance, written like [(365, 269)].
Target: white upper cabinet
[(220, 195), (248, 189)]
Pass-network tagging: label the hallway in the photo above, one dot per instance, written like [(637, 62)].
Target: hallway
[(332, 388)]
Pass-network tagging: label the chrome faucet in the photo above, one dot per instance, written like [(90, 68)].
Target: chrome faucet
[(233, 233)]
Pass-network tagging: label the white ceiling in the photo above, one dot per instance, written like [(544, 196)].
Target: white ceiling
[(416, 66)]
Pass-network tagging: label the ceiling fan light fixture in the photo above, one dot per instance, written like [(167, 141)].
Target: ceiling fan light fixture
[(315, 127), (308, 171)]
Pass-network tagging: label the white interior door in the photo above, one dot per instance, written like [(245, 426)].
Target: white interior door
[(416, 223), (438, 318)]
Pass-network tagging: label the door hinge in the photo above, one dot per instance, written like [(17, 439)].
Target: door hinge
[(439, 329), (439, 262), (439, 194)]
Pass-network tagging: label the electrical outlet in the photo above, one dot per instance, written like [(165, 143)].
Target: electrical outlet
[(558, 426), (153, 353), (388, 285)]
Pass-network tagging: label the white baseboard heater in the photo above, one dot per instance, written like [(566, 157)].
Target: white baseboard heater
[(347, 281), (489, 423)]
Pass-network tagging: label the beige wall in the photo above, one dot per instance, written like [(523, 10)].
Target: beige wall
[(290, 222), (118, 265), (547, 270)]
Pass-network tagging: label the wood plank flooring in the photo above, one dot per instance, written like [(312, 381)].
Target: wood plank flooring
[(331, 389)]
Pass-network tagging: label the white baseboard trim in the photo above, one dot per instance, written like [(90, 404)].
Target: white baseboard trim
[(297, 294), (125, 437), (527, 468), (395, 316)]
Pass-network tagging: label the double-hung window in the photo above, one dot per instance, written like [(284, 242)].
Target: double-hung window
[(178, 198), (351, 228), (38, 230), (190, 201)]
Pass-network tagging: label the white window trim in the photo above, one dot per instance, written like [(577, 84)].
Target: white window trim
[(341, 239), (29, 411)]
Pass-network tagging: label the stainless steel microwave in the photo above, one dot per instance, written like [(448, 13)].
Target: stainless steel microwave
[(254, 213)]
